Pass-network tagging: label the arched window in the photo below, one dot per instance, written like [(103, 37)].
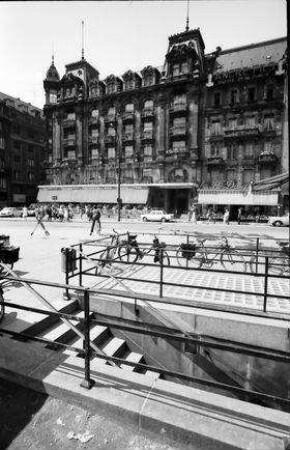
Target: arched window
[(148, 104), (129, 107)]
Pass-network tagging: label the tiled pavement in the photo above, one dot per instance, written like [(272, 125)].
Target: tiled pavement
[(193, 284)]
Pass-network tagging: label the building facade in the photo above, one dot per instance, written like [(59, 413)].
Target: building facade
[(22, 147), (200, 122)]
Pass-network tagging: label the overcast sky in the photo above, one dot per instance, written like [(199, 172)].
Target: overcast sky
[(119, 35)]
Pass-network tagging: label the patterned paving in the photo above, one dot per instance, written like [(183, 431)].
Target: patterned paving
[(193, 284)]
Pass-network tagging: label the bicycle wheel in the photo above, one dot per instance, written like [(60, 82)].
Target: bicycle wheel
[(166, 259), (2, 307), (278, 266), (183, 261), (128, 254), (233, 261)]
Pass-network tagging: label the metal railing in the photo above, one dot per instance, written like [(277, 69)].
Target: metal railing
[(89, 349), (258, 258)]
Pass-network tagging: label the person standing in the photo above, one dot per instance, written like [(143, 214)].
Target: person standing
[(240, 211), (227, 216), (96, 217), (24, 213)]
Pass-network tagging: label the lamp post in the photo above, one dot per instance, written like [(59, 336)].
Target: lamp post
[(117, 139)]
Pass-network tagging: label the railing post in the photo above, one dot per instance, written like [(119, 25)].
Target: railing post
[(187, 242), (161, 272), (266, 283), (66, 296), (87, 382), (257, 253), (81, 265)]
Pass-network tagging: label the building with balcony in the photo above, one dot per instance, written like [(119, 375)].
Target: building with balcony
[(200, 121), (22, 151)]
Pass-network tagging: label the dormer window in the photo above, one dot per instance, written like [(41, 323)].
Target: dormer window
[(53, 97), (184, 67), (175, 70), (69, 92)]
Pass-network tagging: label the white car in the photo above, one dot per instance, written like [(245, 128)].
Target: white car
[(279, 221), (157, 215)]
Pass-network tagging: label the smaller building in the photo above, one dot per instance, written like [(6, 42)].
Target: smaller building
[(22, 151)]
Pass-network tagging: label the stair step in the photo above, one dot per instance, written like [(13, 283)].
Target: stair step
[(134, 358), (97, 335), (61, 332), (150, 373), (115, 347)]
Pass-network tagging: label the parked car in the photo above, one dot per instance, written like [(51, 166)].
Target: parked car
[(277, 221), (11, 212), (157, 215)]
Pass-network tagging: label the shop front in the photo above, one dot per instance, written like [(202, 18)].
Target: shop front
[(256, 206)]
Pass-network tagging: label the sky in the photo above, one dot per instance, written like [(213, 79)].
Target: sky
[(119, 35)]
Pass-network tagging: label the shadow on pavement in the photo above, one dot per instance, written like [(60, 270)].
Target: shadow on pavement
[(18, 405)]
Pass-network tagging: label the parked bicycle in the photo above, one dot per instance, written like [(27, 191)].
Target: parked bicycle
[(199, 256), (129, 250), (277, 265)]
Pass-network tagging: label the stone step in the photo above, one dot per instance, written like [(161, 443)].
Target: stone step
[(115, 347), (134, 358), (98, 335), (61, 332)]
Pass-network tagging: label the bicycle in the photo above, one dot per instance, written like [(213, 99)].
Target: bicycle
[(277, 265), (130, 250), (191, 255)]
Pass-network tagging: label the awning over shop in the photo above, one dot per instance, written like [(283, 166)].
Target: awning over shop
[(276, 182), (130, 194), (236, 197)]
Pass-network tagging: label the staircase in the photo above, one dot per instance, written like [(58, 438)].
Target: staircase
[(56, 331)]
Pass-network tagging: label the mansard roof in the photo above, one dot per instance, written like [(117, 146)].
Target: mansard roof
[(261, 54)]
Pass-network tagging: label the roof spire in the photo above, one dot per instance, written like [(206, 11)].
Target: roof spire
[(187, 17), (52, 56), (83, 51)]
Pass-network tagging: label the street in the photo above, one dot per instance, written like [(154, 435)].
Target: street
[(40, 258)]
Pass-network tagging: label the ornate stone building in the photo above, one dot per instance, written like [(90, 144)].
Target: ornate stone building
[(22, 149), (199, 122)]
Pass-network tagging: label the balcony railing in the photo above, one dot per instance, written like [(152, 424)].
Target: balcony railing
[(177, 153), (110, 139), (69, 122), (242, 132), (147, 134), (128, 137), (215, 161), (110, 118), (267, 158), (147, 113), (94, 140), (71, 155), (128, 115), (69, 141), (94, 120), (178, 107), (177, 131)]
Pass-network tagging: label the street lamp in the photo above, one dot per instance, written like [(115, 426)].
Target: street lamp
[(117, 139)]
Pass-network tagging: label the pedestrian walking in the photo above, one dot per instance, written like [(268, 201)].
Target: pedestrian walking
[(39, 215), (240, 211), (96, 217), (209, 215), (226, 218), (24, 212)]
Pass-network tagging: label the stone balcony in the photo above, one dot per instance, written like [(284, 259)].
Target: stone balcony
[(178, 108), (266, 158), (215, 161), (69, 123), (147, 135), (176, 132), (242, 133), (147, 113)]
